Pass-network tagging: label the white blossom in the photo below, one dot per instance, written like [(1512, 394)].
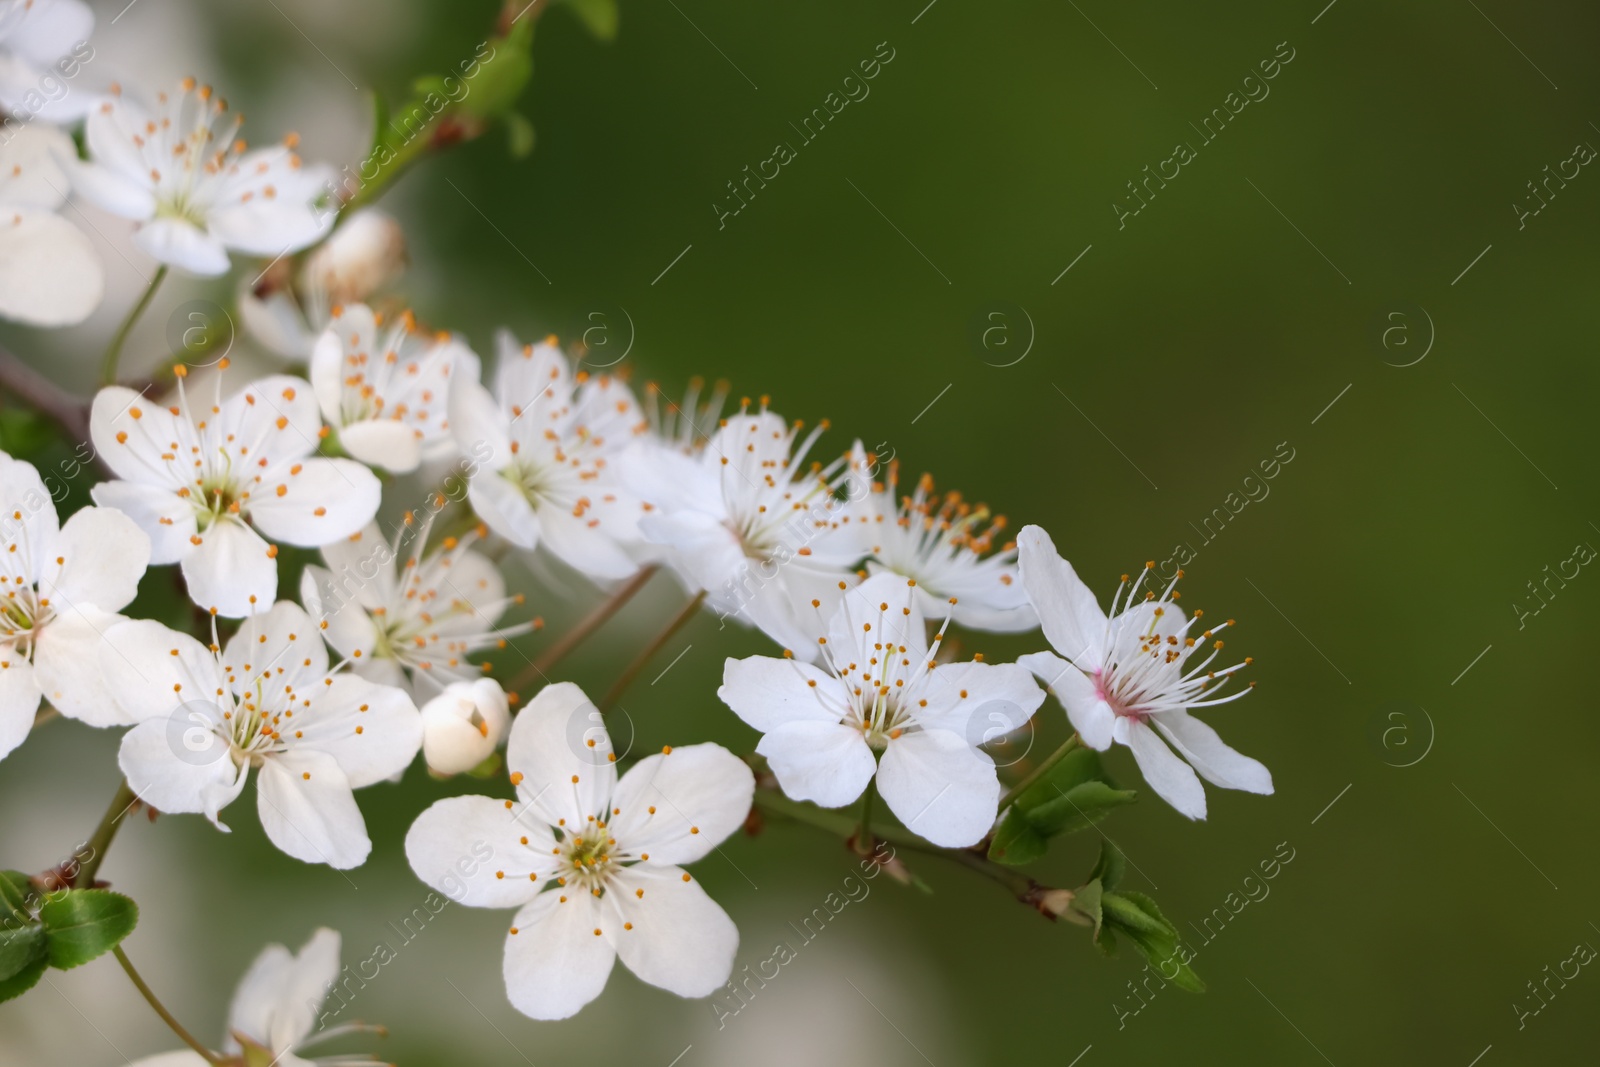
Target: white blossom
[(1132, 675), (60, 588), (880, 689), (462, 726), (207, 716), (40, 41), (50, 274), (591, 862)]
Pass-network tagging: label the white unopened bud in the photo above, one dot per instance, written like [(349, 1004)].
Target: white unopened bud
[(462, 726), (362, 256)]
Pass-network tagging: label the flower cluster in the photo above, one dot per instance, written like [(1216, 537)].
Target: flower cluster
[(864, 582)]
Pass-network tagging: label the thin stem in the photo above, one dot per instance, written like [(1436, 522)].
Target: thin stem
[(589, 624), (100, 841), (108, 365), (161, 1010), (632, 670), (1040, 771), (863, 838), (841, 825)]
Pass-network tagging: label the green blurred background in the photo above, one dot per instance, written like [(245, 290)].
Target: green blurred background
[(1121, 401)]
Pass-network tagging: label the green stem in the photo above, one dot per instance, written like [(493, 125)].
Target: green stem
[(100, 841), (161, 1010), (108, 365), (841, 825), (1040, 771), (863, 838), (631, 672), (586, 626)]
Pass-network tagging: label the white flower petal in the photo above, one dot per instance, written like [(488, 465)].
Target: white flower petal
[(1068, 613), (278, 647), (373, 731), (278, 416), (277, 1001), (276, 321), (48, 31), (560, 746), (109, 190), (231, 570), (167, 520), (504, 509), (471, 849), (344, 492), (1219, 764), (50, 274), (387, 443), (182, 244), (147, 680), (679, 805), (99, 558), (170, 775), (29, 522), (1172, 779), (586, 549), (767, 692), (555, 963), (940, 787), (181, 1058), (477, 422), (1088, 712), (975, 699), (66, 663), (681, 940), (148, 429), (308, 811), (826, 763), (19, 701)]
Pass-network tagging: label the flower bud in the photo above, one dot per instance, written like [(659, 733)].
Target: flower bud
[(362, 256), (462, 726)]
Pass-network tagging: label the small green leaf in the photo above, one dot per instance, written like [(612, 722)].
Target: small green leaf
[(1086, 901), (1074, 795), (1016, 842), (1111, 866), (24, 979), (1138, 918), (1078, 808), (20, 946), (600, 16), (85, 923), (16, 894)]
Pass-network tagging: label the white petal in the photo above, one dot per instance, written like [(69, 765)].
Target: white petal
[(66, 665), (308, 811), (278, 647), (178, 765), (874, 613), (48, 31), (345, 625), (767, 692), (148, 430), (111, 191), (586, 549), (1172, 779), (278, 416), (1088, 712), (470, 849), (277, 1001), (387, 443), (681, 939), (102, 555), (231, 570), (974, 700), (277, 322), (181, 1058), (148, 506), (555, 963), (560, 746), (504, 509), (679, 805), (1219, 764), (390, 728), (826, 763), (50, 274), (29, 518), (477, 422), (146, 679), (363, 566), (345, 492), (19, 702), (287, 220), (30, 166), (183, 245), (1071, 619), (940, 787)]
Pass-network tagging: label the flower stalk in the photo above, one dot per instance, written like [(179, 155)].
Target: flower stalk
[(108, 362)]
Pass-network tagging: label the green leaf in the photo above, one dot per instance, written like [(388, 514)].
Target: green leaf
[(1111, 866), (600, 16), (1138, 918), (1086, 901), (502, 75), (85, 923), (520, 135), (24, 979), (1074, 795), (16, 894), (21, 946)]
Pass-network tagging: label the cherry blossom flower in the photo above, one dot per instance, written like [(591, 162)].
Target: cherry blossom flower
[(749, 521), (880, 689), (385, 389), (193, 187), (274, 1015), (552, 437), (268, 701), (462, 726), (206, 481), (400, 614), (39, 41), (60, 588), (944, 542), (50, 274), (1132, 675), (591, 861)]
